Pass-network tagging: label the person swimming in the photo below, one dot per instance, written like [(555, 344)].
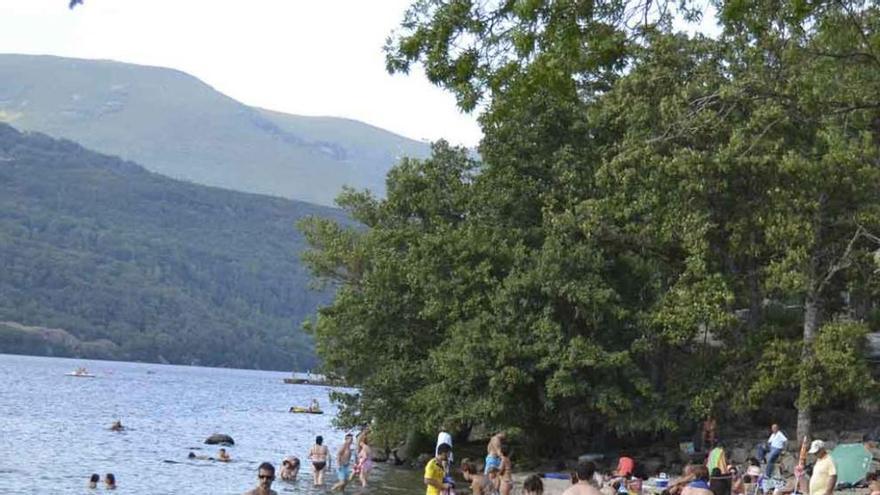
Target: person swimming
[(93, 480), (110, 481), (117, 426), (223, 456)]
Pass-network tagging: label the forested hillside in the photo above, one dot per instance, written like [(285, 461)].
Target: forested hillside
[(162, 269), (172, 123)]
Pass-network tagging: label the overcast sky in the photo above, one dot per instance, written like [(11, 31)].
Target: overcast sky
[(309, 57)]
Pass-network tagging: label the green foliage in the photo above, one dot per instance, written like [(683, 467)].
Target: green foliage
[(656, 216), (154, 268)]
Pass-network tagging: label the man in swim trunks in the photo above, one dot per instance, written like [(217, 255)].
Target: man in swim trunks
[(343, 464), (319, 454), (289, 469), (265, 477)]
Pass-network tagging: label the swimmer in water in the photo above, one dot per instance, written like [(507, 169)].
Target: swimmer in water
[(223, 456), (289, 469), (93, 480), (117, 426), (110, 481)]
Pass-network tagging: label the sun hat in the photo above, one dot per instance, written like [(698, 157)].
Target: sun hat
[(816, 446)]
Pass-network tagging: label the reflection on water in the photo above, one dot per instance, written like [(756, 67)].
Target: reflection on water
[(54, 429)]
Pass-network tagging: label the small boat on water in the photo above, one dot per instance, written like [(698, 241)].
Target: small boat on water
[(306, 379), (305, 410), (80, 373)]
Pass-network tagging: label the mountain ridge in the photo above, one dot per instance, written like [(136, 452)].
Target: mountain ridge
[(174, 123)]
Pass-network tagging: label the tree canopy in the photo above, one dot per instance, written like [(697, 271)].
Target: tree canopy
[(654, 217)]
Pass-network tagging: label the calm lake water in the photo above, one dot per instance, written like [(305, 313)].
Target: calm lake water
[(54, 428)]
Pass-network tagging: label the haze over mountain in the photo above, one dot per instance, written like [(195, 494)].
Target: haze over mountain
[(101, 258), (172, 123)]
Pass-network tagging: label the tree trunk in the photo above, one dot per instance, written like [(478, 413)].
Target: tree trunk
[(804, 403)]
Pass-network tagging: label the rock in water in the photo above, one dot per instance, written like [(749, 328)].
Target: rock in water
[(219, 439)]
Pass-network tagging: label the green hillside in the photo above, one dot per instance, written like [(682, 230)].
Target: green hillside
[(174, 124), (134, 265)]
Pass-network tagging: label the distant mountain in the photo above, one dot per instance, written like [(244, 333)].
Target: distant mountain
[(101, 258), (174, 124)]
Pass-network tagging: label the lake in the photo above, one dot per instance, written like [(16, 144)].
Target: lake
[(54, 429)]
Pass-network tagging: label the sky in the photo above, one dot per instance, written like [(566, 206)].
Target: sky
[(306, 57)]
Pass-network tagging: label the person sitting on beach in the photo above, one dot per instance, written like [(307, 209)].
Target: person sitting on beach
[(533, 485), (117, 426), (481, 484), (289, 469), (343, 463), (318, 455), (435, 474), (109, 481), (93, 480), (584, 485), (223, 456), (265, 477), (700, 483)]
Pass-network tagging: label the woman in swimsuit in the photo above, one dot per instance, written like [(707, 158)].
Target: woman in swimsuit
[(364, 460), (318, 455), (505, 473)]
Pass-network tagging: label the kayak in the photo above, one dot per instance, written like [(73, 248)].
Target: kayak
[(305, 410)]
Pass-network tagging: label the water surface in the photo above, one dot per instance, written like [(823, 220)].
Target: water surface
[(54, 428)]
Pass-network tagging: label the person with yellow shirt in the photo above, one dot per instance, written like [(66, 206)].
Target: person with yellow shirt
[(824, 477), (435, 470)]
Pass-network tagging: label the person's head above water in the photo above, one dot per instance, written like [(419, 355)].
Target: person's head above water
[(110, 480), (265, 475), (319, 440), (93, 480), (192, 455)]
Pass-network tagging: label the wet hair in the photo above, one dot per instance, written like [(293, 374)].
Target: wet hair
[(267, 466), (192, 455), (468, 466), (585, 470), (94, 478), (444, 448), (319, 440), (222, 449), (110, 479), (701, 472), (533, 484)]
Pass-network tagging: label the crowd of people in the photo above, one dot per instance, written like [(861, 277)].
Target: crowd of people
[(713, 475), (348, 465)]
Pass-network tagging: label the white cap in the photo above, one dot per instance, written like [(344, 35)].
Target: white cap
[(816, 446)]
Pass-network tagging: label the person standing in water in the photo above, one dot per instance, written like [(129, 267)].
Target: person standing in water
[(505, 472), (434, 471), (265, 477), (318, 455), (365, 460), (343, 464)]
